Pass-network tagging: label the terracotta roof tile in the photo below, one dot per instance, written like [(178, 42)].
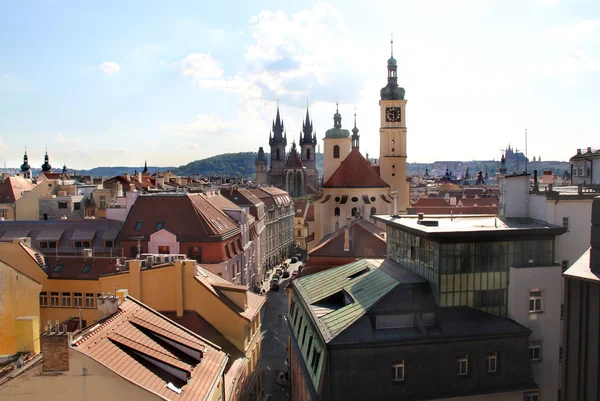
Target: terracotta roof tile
[(293, 161), (355, 172), (12, 188), (431, 202), (367, 240), (117, 341), (300, 208)]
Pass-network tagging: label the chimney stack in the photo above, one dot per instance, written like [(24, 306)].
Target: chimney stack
[(55, 351), (346, 238), (578, 151), (589, 149), (536, 185), (595, 237)]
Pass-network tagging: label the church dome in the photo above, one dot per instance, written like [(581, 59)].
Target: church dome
[(392, 62), (392, 92)]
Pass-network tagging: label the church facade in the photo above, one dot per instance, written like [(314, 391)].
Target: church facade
[(294, 172), (353, 187)]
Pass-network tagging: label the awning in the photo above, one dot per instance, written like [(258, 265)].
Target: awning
[(110, 234), (50, 235), (14, 234), (83, 235)]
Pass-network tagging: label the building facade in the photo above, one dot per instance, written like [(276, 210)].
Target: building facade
[(372, 330), (279, 226), (582, 167)]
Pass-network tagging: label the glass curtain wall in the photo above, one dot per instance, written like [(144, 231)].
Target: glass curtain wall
[(473, 274)]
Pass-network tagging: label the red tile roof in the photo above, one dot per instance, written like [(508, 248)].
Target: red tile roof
[(355, 172), (191, 217), (478, 202), (431, 202), (367, 241), (293, 161), (117, 342), (12, 188), (300, 208), (73, 267)]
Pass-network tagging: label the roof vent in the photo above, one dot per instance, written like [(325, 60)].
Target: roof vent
[(428, 223)]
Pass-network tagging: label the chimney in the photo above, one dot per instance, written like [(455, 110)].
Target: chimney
[(578, 151), (595, 237), (139, 176), (346, 238), (536, 185), (5, 176), (579, 189), (55, 351), (420, 216), (589, 149)]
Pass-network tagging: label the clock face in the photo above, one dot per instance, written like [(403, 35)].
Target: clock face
[(393, 114)]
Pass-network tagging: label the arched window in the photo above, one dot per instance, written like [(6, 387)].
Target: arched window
[(277, 154), (337, 211), (354, 211), (307, 154), (336, 152), (373, 211)]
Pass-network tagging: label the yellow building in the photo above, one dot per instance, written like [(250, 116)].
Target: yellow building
[(12, 190), (178, 287), (19, 312), (136, 354)]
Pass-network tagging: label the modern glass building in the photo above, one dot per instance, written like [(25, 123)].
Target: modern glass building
[(466, 260)]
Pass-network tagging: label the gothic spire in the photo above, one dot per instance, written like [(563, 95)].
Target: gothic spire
[(145, 167), (307, 129), (355, 136)]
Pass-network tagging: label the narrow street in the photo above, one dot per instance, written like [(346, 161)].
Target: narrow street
[(275, 339)]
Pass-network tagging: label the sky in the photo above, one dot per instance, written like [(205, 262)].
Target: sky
[(104, 83)]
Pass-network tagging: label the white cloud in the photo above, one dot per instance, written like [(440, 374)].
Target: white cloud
[(199, 66), (62, 139), (109, 67)]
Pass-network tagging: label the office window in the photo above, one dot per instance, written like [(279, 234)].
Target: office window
[(54, 299), (535, 352), (531, 396), (52, 244), (66, 300), (492, 362), (77, 206), (535, 301), (89, 300), (86, 244), (462, 365), (77, 300), (86, 269), (43, 244), (62, 205), (43, 298), (566, 223), (108, 244), (581, 171), (398, 372), (77, 244)]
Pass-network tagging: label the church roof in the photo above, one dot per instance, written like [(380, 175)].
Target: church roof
[(293, 161), (355, 172)]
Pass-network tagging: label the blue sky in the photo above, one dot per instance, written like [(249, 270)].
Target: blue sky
[(118, 82)]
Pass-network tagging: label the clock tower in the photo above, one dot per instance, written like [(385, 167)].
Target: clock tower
[(392, 138)]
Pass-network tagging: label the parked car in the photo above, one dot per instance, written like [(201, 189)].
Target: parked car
[(276, 277), (279, 271), (294, 274), (294, 259), (286, 274), (275, 285), (299, 256)]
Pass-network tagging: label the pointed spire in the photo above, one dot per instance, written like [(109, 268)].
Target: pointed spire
[(307, 128), (392, 45), (278, 127), (145, 167), (355, 136)]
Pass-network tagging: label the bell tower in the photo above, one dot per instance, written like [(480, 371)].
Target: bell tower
[(278, 142), (392, 137)]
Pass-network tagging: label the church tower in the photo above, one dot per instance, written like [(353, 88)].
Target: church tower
[(25, 167), (337, 145), (46, 167), (308, 142), (278, 142), (392, 137), (261, 167)]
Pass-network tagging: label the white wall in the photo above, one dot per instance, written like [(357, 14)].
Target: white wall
[(514, 192), (545, 326), (163, 238)]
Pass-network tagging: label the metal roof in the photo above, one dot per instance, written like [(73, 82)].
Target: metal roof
[(365, 289)]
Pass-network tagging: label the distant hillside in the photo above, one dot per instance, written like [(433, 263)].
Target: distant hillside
[(242, 164), (229, 164)]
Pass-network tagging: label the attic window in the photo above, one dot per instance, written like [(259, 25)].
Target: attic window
[(358, 273), (159, 225), (86, 268), (138, 226), (338, 299), (58, 268)]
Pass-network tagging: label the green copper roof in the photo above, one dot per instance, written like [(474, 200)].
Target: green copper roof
[(365, 290), (337, 133)]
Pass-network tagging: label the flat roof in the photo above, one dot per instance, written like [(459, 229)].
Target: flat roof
[(478, 225)]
